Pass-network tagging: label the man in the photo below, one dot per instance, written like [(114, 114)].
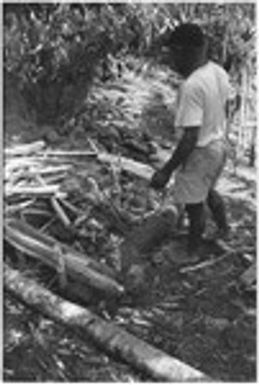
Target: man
[(200, 117)]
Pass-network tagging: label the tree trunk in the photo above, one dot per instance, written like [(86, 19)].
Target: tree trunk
[(109, 337)]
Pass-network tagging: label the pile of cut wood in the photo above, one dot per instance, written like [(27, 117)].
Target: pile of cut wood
[(34, 174), (34, 179)]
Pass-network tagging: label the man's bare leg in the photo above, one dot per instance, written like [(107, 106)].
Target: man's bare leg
[(217, 207), (196, 216)]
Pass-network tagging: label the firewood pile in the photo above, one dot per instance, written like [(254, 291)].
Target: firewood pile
[(54, 219), (33, 189)]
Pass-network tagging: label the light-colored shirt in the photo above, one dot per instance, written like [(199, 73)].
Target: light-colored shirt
[(201, 102)]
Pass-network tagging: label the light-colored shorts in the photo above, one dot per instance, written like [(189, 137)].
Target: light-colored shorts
[(200, 173)]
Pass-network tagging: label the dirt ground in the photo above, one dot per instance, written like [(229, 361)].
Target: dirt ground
[(203, 316)]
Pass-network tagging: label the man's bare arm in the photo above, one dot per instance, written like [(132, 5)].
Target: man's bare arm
[(184, 148), (180, 156)]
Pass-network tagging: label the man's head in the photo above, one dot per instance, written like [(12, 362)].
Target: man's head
[(185, 48)]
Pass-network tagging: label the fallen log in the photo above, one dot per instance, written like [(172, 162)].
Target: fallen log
[(116, 341), (54, 254)]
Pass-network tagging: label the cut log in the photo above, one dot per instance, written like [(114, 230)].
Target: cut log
[(141, 355), (78, 266), (32, 191), (25, 149), (136, 168)]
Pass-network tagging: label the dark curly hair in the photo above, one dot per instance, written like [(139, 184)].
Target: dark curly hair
[(187, 35)]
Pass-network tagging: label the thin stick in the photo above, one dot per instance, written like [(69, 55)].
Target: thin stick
[(46, 190), (56, 205), (68, 153), (71, 207), (18, 206), (46, 225), (205, 264), (60, 212)]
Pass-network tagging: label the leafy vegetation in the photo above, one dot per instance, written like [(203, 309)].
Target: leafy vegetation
[(56, 50)]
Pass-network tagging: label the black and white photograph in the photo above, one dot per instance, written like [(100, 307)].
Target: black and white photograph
[(129, 191)]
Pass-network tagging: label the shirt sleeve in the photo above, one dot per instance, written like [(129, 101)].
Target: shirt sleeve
[(190, 107)]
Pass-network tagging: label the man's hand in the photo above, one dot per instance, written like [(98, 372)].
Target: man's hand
[(159, 179), (182, 152)]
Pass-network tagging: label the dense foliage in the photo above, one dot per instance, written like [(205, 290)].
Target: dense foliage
[(56, 50)]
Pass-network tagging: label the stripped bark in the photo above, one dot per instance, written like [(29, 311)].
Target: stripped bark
[(141, 355)]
